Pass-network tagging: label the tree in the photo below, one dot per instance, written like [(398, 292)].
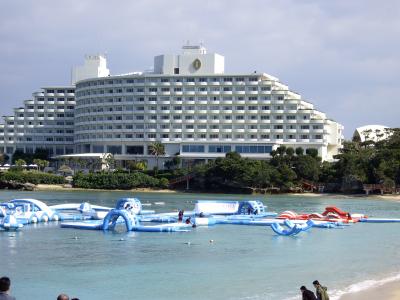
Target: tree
[(173, 163), (134, 165), (157, 149), (41, 163), (20, 163), (299, 151), (3, 158), (312, 152)]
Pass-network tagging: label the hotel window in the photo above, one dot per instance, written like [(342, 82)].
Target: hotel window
[(164, 90), (239, 107), (252, 108), (202, 79), (114, 149), (190, 79), (165, 136), (189, 126), (278, 136), (318, 136), (202, 126), (227, 89), (140, 117), (202, 136), (304, 137), (177, 89), (266, 88), (291, 136), (253, 98), (139, 135), (280, 98), (278, 127), (219, 148), (189, 118), (164, 79), (278, 117), (253, 149), (189, 136), (239, 117), (151, 135), (227, 117), (176, 117), (290, 117), (214, 136), (264, 107), (304, 127), (265, 136), (192, 148)]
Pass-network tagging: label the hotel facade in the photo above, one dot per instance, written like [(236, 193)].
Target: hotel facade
[(187, 103)]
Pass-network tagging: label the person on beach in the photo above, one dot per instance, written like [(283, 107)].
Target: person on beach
[(307, 294), (180, 216), (5, 283), (321, 291), (63, 297)]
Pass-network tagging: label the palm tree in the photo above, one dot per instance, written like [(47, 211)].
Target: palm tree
[(157, 149)]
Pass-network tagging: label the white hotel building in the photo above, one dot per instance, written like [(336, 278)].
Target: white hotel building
[(187, 103)]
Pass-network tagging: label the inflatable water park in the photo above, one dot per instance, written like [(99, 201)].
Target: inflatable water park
[(129, 214)]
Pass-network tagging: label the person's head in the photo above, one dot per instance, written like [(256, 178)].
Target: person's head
[(303, 288), (315, 283), (62, 297), (5, 283)]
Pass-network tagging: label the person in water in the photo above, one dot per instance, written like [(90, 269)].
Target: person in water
[(180, 215), (321, 291), (63, 297), (5, 283), (307, 294)]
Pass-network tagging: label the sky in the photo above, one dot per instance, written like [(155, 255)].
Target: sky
[(342, 56)]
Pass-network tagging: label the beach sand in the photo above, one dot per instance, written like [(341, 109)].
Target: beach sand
[(388, 291), (60, 187)]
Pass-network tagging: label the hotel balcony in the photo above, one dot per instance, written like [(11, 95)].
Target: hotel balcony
[(214, 83)]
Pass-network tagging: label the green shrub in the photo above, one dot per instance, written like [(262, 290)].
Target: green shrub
[(118, 180), (34, 177)]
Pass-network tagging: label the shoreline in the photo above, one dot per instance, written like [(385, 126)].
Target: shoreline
[(60, 187), (389, 290)]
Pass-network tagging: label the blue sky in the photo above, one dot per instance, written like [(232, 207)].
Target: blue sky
[(343, 56)]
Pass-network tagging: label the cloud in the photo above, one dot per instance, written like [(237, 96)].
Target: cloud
[(340, 55)]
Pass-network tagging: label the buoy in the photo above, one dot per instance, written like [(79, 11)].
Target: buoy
[(211, 241), (121, 240)]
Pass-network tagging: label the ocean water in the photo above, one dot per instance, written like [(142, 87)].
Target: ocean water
[(243, 262)]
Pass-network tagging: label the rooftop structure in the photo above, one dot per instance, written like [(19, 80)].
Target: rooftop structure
[(373, 133)]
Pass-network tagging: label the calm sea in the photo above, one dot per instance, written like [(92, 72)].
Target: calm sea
[(243, 262)]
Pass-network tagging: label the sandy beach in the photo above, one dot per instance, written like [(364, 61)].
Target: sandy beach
[(388, 291), (61, 187)]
